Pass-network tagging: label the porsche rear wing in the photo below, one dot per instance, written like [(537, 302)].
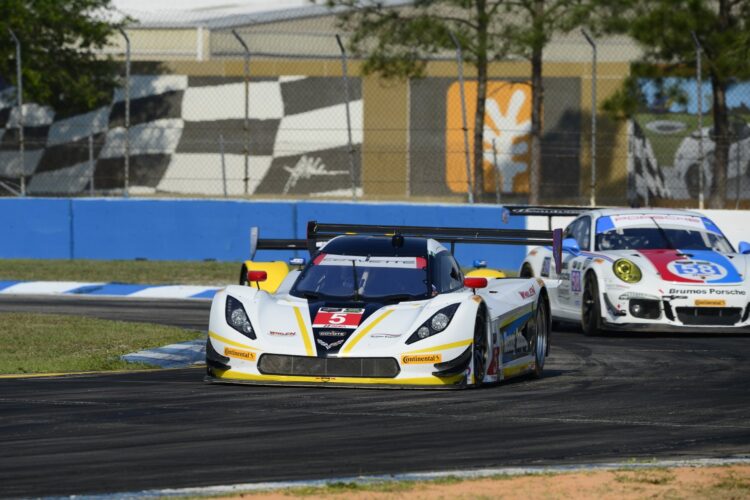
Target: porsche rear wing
[(318, 231), (547, 211)]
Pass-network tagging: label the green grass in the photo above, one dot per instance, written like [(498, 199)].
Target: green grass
[(124, 271), (44, 343)]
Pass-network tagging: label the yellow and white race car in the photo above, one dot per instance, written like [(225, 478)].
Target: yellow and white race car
[(382, 306)]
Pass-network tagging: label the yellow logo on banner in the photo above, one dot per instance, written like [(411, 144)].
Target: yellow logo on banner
[(507, 120), (240, 354), (421, 359), (710, 302)]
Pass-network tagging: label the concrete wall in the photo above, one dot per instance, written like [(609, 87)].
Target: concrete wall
[(213, 229)]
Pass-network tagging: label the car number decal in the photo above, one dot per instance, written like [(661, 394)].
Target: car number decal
[(575, 281), (339, 317)]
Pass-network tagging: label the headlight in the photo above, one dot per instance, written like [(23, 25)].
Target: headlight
[(627, 271), (237, 317), (436, 324)]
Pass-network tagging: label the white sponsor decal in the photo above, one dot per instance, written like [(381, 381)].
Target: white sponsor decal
[(362, 261), (632, 220)]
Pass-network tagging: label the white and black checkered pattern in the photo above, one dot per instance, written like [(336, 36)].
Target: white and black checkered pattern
[(297, 138)]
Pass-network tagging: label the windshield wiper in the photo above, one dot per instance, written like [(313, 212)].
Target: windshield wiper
[(663, 234)]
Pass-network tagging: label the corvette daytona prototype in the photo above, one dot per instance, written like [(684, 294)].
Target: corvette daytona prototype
[(655, 270), (383, 306)]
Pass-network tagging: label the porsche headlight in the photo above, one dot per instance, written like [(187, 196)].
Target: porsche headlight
[(237, 317), (436, 324), (627, 271)]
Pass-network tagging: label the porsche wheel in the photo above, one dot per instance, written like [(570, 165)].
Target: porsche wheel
[(540, 342), (591, 315), (479, 351), (526, 271), (243, 275)]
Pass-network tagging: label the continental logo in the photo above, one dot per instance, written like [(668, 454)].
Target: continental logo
[(421, 359), (710, 302), (239, 354)]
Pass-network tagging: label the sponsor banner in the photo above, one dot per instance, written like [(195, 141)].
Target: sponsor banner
[(338, 317), (650, 220), (239, 354), (421, 359), (368, 261)]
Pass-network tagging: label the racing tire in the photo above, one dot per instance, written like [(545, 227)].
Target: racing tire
[(540, 342), (591, 307), (479, 348), (526, 271), (243, 275)]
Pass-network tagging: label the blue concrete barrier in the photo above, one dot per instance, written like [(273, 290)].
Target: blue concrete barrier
[(214, 229), (35, 228)]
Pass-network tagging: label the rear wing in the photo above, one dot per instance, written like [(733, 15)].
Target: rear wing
[(547, 211), (317, 231), (273, 243)]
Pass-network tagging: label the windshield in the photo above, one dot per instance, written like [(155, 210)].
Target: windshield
[(654, 237), (376, 278)]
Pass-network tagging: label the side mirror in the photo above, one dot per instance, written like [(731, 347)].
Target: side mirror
[(480, 264), (475, 282), (744, 247), (256, 276), (571, 245)]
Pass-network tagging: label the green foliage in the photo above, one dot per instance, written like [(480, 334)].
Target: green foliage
[(59, 44)]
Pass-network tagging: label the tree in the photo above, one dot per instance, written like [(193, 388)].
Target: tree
[(61, 42), (536, 21), (396, 43), (663, 28)]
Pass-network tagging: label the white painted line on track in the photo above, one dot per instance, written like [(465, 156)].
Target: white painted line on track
[(232, 489), (45, 287), (172, 291)]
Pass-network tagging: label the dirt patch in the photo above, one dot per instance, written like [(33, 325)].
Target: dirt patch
[(727, 482)]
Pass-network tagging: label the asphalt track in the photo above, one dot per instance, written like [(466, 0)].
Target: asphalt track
[(603, 399)]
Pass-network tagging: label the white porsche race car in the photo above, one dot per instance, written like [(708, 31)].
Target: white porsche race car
[(653, 270), (382, 306)]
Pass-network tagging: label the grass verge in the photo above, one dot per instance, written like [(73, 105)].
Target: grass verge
[(125, 271), (44, 343)]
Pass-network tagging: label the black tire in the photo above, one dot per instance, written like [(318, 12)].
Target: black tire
[(243, 275), (479, 348), (591, 307), (540, 341), (526, 271)]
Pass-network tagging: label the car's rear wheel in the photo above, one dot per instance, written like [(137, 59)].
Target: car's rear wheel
[(243, 275), (540, 341), (526, 271), (591, 316), (479, 350)]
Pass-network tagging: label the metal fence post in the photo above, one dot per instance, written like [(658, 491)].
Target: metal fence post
[(246, 124), (223, 165), (91, 164), (126, 185), (592, 200), (19, 90), (498, 172), (345, 75), (699, 90), (460, 61)]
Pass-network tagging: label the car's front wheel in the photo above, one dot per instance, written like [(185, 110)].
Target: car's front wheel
[(591, 315), (480, 349)]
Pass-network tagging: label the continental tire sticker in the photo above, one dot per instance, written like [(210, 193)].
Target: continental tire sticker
[(421, 359), (239, 354), (710, 302)]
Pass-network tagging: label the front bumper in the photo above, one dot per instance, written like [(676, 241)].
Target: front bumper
[(697, 312)]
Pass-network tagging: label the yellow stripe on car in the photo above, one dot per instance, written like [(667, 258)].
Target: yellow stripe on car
[(460, 343), (303, 330), (350, 345), (218, 337)]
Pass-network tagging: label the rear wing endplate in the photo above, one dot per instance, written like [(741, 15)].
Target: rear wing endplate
[(317, 231)]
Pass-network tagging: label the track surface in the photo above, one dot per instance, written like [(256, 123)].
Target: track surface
[(603, 399)]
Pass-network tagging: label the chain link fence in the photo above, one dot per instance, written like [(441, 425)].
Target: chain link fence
[(202, 123)]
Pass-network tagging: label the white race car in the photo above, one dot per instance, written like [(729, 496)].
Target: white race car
[(645, 270), (382, 306)]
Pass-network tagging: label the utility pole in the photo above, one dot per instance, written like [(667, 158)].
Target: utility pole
[(699, 91), (592, 200), (126, 185), (19, 98), (246, 124), (460, 61)]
